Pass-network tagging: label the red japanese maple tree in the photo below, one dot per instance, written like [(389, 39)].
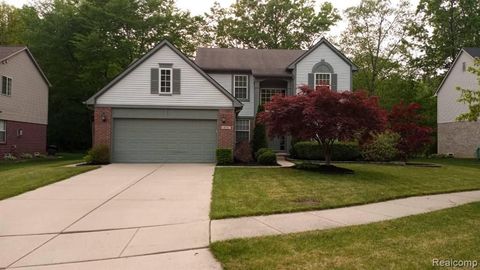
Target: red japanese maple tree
[(324, 116), (405, 120)]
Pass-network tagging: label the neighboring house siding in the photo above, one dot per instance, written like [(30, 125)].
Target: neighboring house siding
[(341, 68), (458, 138), (448, 106), (226, 80), (33, 139), (29, 98), (134, 88)]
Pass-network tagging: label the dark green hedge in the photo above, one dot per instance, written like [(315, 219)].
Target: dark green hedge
[(224, 156), (313, 151), (267, 158)]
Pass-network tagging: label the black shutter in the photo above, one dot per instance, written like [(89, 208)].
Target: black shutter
[(311, 81), (154, 81), (334, 82), (176, 81)]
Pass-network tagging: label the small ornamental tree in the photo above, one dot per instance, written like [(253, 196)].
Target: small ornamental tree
[(324, 116), (259, 139), (405, 120)]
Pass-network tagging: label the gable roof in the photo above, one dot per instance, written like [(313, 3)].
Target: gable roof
[(473, 52), (136, 63), (7, 52), (259, 62), (329, 45)]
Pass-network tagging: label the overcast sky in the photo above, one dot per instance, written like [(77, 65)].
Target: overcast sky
[(198, 7)]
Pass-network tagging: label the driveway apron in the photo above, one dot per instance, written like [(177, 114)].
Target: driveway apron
[(121, 216)]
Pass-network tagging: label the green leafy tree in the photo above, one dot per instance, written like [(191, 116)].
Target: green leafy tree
[(376, 39), (82, 45), (272, 24), (471, 97), (443, 28), (259, 139), (11, 25)]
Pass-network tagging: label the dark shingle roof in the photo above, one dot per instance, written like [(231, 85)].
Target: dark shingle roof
[(6, 51), (260, 62), (475, 52)]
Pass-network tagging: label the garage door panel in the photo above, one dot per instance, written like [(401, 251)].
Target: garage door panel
[(162, 140)]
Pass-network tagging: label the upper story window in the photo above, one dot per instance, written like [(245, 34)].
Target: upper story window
[(323, 79), (6, 86), (166, 81), (240, 86), (266, 94), (3, 131)]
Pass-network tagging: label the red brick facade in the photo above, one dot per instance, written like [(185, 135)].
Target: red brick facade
[(102, 126), (33, 138), (226, 128)]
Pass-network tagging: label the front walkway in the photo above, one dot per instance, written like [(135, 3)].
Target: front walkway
[(121, 216), (224, 229)]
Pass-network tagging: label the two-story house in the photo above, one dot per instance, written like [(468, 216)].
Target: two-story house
[(459, 138), (167, 108), (23, 102)]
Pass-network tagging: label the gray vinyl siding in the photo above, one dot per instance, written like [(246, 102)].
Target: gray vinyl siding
[(341, 68), (28, 101), (134, 88), (225, 80)]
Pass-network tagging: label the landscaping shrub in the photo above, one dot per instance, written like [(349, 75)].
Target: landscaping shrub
[(243, 152), (261, 151), (259, 139), (383, 147), (9, 156), (224, 156), (341, 151), (99, 154), (267, 158), (26, 156)]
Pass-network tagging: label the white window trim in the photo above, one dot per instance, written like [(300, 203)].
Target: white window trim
[(323, 73), (7, 93), (3, 128), (246, 87), (247, 130), (160, 80)]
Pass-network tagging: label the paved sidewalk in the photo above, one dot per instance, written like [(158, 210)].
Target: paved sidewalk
[(121, 216), (224, 229)]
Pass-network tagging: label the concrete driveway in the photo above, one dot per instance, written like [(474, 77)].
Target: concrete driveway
[(121, 216)]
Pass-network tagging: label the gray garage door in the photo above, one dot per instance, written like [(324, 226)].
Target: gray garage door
[(162, 140)]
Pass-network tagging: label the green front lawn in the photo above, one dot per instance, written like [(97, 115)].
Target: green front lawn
[(21, 176), (256, 191), (406, 243)]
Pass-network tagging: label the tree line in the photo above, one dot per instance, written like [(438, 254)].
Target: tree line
[(402, 51)]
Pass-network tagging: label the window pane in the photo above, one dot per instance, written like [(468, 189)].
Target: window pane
[(242, 136), (9, 86), (4, 85), (3, 133), (242, 125), (240, 83), (266, 94), (165, 80), (322, 79)]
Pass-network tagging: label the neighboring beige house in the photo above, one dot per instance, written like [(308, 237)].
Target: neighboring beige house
[(457, 137), (23, 102)]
